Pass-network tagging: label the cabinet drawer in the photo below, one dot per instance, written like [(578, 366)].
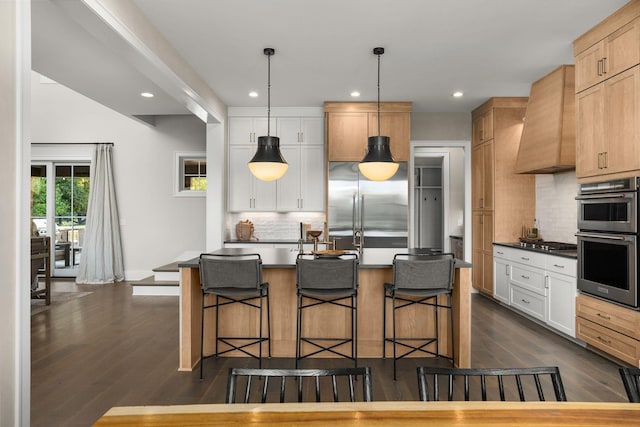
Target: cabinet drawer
[(532, 279), (620, 319), (611, 342), (562, 265), (504, 252), (529, 302), (531, 258)]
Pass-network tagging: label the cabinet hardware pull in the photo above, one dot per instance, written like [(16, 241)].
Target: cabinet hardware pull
[(301, 137), (506, 269), (301, 203), (525, 277), (482, 202), (525, 258), (599, 67), (604, 65), (603, 340), (546, 282), (603, 316), (558, 266), (500, 253), (605, 157), (525, 301)]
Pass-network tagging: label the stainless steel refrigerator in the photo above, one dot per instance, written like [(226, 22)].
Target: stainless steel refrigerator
[(368, 213)]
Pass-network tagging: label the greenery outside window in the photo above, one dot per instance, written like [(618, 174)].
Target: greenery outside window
[(191, 174)]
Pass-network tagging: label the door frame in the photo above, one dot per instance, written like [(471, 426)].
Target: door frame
[(443, 146)]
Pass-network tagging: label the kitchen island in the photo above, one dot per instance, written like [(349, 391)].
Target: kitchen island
[(279, 270)]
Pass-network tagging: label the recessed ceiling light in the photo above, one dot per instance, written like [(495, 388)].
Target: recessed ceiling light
[(457, 94), (146, 94), (253, 94), (355, 94)]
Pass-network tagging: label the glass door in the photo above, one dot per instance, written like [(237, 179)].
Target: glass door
[(59, 210)]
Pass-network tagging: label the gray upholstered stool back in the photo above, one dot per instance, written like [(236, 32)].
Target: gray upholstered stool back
[(230, 271), (423, 272), (326, 274)]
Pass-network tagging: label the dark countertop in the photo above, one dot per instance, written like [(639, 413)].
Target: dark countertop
[(562, 253), (286, 258), (268, 241)]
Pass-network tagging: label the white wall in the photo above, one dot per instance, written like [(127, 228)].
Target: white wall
[(556, 207), (157, 227)]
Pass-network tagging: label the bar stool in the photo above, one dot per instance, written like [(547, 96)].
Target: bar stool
[(333, 281), (234, 278), (418, 280)]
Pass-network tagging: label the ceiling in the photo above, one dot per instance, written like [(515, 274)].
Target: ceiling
[(323, 48)]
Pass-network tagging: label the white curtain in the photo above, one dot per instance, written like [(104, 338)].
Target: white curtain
[(101, 260)]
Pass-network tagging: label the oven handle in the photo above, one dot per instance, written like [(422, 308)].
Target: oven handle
[(601, 236), (603, 196)]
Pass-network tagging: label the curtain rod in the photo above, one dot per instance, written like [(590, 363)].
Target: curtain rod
[(72, 143)]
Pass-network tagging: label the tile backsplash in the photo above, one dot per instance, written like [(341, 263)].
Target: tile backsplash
[(556, 207), (275, 225)]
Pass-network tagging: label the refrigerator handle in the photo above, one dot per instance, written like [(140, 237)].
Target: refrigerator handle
[(361, 217), (354, 203)]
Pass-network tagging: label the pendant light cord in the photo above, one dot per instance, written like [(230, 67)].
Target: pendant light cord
[(269, 94), (378, 94)]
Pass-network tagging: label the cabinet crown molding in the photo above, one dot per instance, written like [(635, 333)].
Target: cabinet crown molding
[(367, 107)]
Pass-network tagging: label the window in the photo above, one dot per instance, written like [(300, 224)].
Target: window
[(191, 174)]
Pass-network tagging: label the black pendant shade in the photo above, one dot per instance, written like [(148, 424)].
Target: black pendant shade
[(378, 163), (268, 164)]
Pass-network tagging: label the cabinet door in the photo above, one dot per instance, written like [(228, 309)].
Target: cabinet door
[(561, 303), (622, 49), (477, 254), (312, 178), (312, 131), (288, 187), (488, 169), (260, 127), (264, 195), (501, 274), (621, 126), (289, 130), (589, 131), (240, 130), (397, 126), (477, 177), (347, 136), (588, 70), (476, 131), (487, 126), (240, 178)]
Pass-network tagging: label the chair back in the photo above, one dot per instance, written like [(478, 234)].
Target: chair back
[(239, 271), (490, 383), (423, 271), (298, 385), (325, 274), (631, 381)]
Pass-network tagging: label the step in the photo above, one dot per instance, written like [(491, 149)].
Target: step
[(151, 286), (167, 273)]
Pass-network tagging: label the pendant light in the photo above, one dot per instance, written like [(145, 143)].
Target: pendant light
[(268, 164), (378, 163)]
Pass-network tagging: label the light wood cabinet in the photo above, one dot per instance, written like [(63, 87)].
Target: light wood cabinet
[(499, 195), (609, 327), (482, 127), (608, 126), (349, 124), (482, 251), (617, 52), (482, 169), (607, 97)]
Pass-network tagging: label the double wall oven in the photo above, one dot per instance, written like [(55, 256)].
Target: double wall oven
[(607, 240)]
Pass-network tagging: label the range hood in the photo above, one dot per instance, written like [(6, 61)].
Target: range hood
[(548, 142)]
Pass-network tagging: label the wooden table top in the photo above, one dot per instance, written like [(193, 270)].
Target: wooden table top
[(522, 414)]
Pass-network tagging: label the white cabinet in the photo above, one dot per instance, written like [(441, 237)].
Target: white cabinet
[(302, 146), (302, 187), (561, 294), (301, 130), (501, 273), (246, 130), (246, 193), (540, 285)]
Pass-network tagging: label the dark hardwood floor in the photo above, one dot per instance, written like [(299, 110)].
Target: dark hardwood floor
[(108, 348)]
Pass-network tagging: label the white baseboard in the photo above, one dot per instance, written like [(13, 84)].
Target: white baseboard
[(150, 290)]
